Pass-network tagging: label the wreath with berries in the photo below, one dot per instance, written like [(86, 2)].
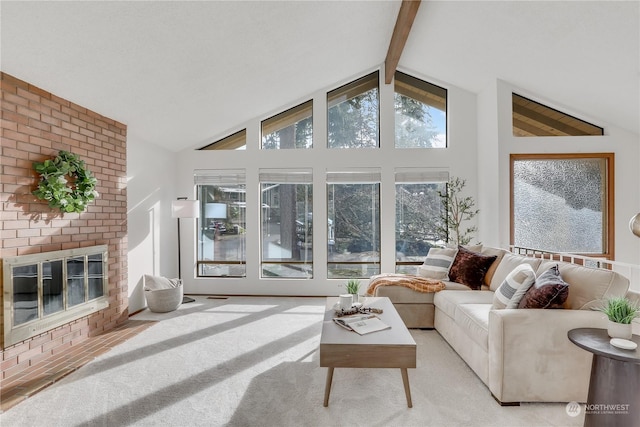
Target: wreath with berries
[(65, 183)]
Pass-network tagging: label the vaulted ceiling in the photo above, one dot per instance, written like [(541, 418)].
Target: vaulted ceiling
[(181, 74)]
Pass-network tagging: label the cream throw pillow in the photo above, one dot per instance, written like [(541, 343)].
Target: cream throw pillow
[(437, 264), (515, 285), (154, 283)]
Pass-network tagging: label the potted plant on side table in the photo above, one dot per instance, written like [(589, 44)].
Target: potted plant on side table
[(620, 312), (353, 286)]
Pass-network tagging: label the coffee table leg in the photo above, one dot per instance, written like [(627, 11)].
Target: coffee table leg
[(327, 386), (407, 390)]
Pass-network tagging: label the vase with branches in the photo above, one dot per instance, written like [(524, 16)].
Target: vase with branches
[(456, 210)]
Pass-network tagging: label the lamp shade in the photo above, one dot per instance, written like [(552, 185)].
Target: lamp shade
[(185, 208), (215, 210)]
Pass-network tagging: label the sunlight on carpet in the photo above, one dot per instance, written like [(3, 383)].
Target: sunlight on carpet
[(246, 361)]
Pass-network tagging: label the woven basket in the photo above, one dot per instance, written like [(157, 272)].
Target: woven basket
[(164, 300)]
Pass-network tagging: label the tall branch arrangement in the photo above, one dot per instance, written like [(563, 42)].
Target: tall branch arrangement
[(456, 209)]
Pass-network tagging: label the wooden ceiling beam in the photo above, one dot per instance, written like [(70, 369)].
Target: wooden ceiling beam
[(406, 15)]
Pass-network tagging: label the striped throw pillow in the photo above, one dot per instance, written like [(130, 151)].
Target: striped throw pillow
[(437, 264), (517, 282)]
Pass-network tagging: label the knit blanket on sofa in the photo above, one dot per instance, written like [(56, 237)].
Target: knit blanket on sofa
[(417, 283)]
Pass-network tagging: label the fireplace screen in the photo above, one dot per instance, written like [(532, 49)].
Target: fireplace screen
[(43, 291)]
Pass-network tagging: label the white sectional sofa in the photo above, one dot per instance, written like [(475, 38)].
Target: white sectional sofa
[(522, 355)]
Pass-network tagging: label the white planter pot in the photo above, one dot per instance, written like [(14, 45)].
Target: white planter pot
[(619, 330), (355, 298)]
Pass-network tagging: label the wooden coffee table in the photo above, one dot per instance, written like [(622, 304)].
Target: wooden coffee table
[(390, 348)]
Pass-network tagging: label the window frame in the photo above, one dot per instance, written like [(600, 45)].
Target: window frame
[(293, 176), (551, 121), (218, 178), (234, 141), (356, 176), (416, 176), (608, 231), (285, 119), (432, 96), (349, 91)]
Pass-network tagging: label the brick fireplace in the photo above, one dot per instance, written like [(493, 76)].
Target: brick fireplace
[(36, 125)]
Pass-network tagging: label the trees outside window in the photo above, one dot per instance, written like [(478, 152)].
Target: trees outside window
[(353, 228), (353, 114), (420, 113), (290, 129), (286, 223)]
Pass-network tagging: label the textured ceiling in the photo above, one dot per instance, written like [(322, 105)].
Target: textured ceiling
[(182, 73)]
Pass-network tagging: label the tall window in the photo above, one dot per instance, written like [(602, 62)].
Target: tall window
[(222, 224), (420, 113), (418, 213), (563, 202), (353, 226), (290, 129), (353, 114), (286, 223)]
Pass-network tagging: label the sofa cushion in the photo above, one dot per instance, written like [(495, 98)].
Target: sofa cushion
[(404, 295), (508, 262), (588, 287), (474, 320), (548, 291), (438, 263), (499, 253), (448, 300), (469, 268), (518, 281)]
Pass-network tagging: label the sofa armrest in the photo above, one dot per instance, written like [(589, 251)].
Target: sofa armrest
[(531, 358)]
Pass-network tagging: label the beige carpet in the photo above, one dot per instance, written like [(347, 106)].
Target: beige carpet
[(253, 362)]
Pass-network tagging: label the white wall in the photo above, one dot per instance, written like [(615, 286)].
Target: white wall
[(459, 160), (151, 230), (495, 105)]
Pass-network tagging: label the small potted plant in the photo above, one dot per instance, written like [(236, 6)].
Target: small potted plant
[(353, 286), (620, 312)]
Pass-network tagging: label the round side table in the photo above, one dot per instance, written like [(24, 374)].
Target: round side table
[(614, 386)]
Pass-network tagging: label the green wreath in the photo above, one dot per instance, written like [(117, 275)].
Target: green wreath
[(65, 183)]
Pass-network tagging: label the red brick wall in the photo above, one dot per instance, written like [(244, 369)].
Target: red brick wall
[(36, 125)]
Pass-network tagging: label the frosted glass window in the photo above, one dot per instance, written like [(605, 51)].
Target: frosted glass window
[(562, 204)]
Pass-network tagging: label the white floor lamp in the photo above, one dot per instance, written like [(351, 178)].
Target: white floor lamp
[(183, 208)]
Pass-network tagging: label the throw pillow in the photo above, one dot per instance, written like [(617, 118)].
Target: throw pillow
[(437, 263), (521, 277), (153, 283), (548, 291), (470, 267)]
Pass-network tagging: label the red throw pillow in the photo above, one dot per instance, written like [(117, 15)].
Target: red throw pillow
[(470, 267)]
